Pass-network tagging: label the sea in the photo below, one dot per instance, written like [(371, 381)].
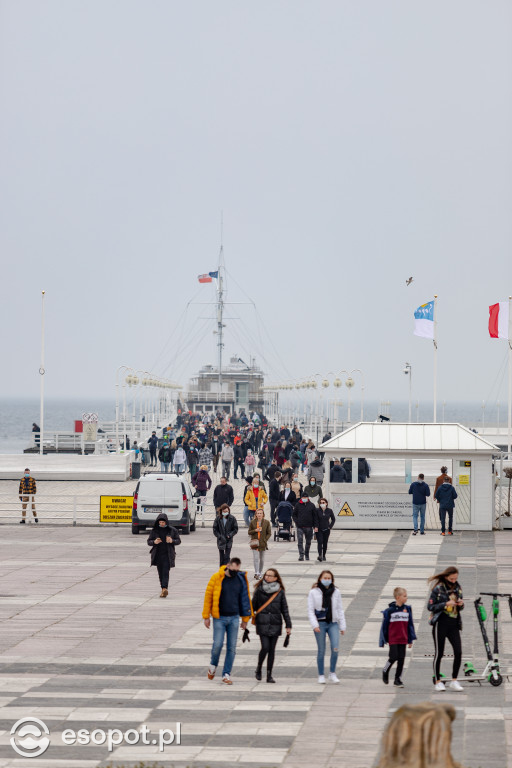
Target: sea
[(17, 415)]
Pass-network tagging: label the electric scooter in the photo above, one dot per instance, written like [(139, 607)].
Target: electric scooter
[(492, 671)]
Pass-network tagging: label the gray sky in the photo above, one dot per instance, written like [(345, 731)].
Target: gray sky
[(350, 145)]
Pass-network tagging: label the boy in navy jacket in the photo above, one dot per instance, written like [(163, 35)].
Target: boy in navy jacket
[(398, 630)]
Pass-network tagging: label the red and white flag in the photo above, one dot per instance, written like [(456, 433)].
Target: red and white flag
[(204, 278), (499, 321)]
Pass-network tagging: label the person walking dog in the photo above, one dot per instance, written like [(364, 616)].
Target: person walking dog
[(445, 604), (163, 540), (260, 532), (270, 610), (420, 491), (326, 616), (227, 599)]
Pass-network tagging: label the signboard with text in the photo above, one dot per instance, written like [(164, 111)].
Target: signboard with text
[(386, 510), (116, 509)]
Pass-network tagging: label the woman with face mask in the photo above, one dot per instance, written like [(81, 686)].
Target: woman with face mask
[(326, 616), (324, 521), (287, 494), (255, 496), (163, 539), (260, 532), (270, 608), (313, 490)]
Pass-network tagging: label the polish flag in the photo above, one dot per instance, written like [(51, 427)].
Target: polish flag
[(204, 278), (499, 321)]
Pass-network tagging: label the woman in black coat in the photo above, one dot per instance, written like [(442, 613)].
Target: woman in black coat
[(324, 520), (225, 528), (163, 539), (269, 620), (287, 494)]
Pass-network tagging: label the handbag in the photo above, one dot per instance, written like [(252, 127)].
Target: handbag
[(321, 615), (265, 605), (254, 543)]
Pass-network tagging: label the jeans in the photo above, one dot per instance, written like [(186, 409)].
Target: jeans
[(179, 468), (225, 625), (226, 467), (322, 538), (248, 515), (307, 534), (418, 509), (442, 517), (164, 466), (259, 560), (333, 630)]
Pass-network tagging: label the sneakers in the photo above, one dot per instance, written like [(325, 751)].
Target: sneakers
[(333, 678), (415, 533), (422, 533), (450, 533), (455, 686), (321, 679), (398, 683), (439, 686), (443, 533), (22, 522), (385, 676), (211, 672), (227, 679)]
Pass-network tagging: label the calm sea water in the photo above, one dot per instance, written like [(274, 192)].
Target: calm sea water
[(16, 416)]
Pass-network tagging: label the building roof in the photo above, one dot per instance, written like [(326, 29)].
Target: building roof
[(409, 438)]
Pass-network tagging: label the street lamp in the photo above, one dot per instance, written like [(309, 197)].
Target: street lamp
[(349, 384), (358, 370), (408, 372)]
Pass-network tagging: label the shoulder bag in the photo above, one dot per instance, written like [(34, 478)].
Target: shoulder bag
[(265, 605)]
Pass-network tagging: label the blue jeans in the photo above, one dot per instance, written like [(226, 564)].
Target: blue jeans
[(419, 509), (225, 625), (179, 468), (333, 630), (248, 515), (164, 465)]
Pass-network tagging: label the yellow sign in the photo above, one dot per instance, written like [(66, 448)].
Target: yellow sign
[(463, 479), (116, 509), (345, 511)]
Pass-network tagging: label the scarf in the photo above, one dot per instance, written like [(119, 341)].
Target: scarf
[(327, 593), (270, 587)]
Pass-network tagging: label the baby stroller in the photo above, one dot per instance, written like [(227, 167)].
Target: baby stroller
[(285, 530)]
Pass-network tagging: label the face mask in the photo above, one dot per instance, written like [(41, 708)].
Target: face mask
[(225, 514), (313, 482), (326, 582), (324, 506), (305, 498), (27, 474), (256, 484)]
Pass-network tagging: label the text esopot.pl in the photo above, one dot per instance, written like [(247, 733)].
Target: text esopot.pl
[(114, 737)]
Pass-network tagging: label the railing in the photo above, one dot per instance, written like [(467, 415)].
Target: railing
[(211, 397)]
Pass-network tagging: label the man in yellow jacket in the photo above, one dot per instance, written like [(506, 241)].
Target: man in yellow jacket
[(227, 599)]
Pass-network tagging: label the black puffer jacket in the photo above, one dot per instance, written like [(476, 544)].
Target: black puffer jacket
[(270, 620), (158, 532)]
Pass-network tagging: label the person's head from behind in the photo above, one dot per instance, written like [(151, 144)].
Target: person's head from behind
[(421, 478), (223, 480), (444, 470), (277, 475), (400, 595)]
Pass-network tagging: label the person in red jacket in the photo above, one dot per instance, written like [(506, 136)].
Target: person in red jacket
[(398, 630)]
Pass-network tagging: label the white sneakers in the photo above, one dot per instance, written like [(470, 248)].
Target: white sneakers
[(333, 678), (321, 679), (453, 686)]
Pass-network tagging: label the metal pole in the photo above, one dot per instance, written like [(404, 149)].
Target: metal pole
[(410, 394), (509, 423), (41, 372), (435, 361)]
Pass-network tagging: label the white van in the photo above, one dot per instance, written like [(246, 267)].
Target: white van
[(169, 493)]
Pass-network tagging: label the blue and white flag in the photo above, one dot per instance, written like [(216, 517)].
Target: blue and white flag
[(424, 321), (214, 274)]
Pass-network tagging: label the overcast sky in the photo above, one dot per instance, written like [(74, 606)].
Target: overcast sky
[(350, 145)]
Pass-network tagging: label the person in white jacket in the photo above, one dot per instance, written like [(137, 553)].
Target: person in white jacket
[(326, 616)]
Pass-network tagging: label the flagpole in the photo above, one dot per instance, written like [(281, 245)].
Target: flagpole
[(435, 361), (42, 372), (509, 422)]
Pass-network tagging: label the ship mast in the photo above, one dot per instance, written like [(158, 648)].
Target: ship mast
[(220, 308)]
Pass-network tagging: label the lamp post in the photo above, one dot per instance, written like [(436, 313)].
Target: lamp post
[(358, 370), (126, 368), (408, 372)]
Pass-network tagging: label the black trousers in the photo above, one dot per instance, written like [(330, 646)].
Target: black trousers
[(268, 651), (152, 453), (163, 568), (273, 507), (224, 555), (442, 517), (396, 653), (304, 535), (446, 628), (322, 538)]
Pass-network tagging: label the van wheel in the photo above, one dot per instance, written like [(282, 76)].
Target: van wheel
[(135, 529), (186, 529)]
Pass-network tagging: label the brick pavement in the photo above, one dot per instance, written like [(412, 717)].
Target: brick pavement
[(85, 642)]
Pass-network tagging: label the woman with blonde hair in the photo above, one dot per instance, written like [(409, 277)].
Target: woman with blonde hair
[(259, 532)]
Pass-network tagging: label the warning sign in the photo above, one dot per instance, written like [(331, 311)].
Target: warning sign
[(116, 509), (345, 511), (463, 479)]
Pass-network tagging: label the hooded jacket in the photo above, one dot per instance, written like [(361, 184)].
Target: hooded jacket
[(419, 490), (397, 625), (338, 474), (446, 495), (157, 532), (316, 470), (250, 498), (313, 491), (214, 588)]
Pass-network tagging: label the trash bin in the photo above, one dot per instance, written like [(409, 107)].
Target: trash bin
[(135, 470)]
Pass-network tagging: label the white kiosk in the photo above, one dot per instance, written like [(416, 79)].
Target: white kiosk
[(397, 453)]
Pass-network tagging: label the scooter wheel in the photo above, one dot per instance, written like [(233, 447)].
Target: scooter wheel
[(496, 681)]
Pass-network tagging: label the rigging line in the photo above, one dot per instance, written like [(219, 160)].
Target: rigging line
[(249, 334), (500, 374), (189, 348), (184, 341), (175, 329)]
